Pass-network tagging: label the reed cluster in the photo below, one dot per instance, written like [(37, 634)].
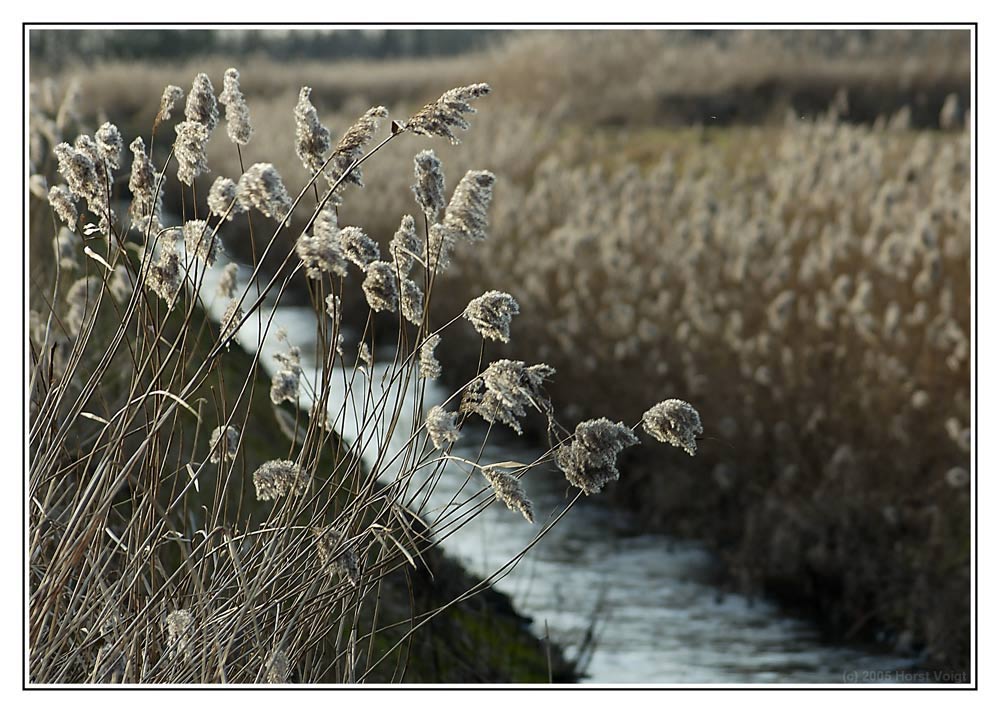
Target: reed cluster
[(808, 285), (172, 538)]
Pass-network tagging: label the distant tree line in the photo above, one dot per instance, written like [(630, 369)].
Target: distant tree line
[(57, 47)]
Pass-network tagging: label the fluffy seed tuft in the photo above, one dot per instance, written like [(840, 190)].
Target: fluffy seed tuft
[(442, 427), (440, 117), (491, 314), (190, 150), (351, 147), (237, 113), (278, 478), (180, 632), (322, 252), (147, 198), (380, 287), (201, 106), (285, 382), (505, 389), (312, 139), (223, 444), (429, 188), (278, 667), (430, 368), (358, 247), (171, 95), (201, 241), (405, 246), (509, 491), (589, 459), (675, 422), (261, 187), (222, 199), (343, 565), (227, 283)]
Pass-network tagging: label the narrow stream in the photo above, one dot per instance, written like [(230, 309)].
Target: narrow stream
[(641, 607)]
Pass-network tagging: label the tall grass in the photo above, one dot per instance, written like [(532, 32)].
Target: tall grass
[(190, 524), (809, 286)]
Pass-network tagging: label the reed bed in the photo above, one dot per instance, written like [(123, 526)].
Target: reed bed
[(172, 538), (808, 285)]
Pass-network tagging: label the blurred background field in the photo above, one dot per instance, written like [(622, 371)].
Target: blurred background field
[(771, 225)]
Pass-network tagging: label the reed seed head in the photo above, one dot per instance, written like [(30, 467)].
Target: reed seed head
[(96, 192), (438, 248), (312, 139), (278, 478), (227, 283), (380, 287), (405, 246), (171, 95), (322, 252), (411, 301), (358, 247), (201, 106), (78, 168), (509, 491), (230, 322), (164, 276), (180, 632), (675, 422), (278, 667), (343, 565), (440, 117), (88, 146), (429, 188), (237, 113), (147, 198), (351, 147), (222, 198), (223, 444), (201, 241), (430, 368), (442, 427), (365, 354), (109, 144), (285, 382), (261, 187), (62, 202), (505, 389), (190, 150), (333, 308), (491, 314), (589, 460), (466, 216)]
